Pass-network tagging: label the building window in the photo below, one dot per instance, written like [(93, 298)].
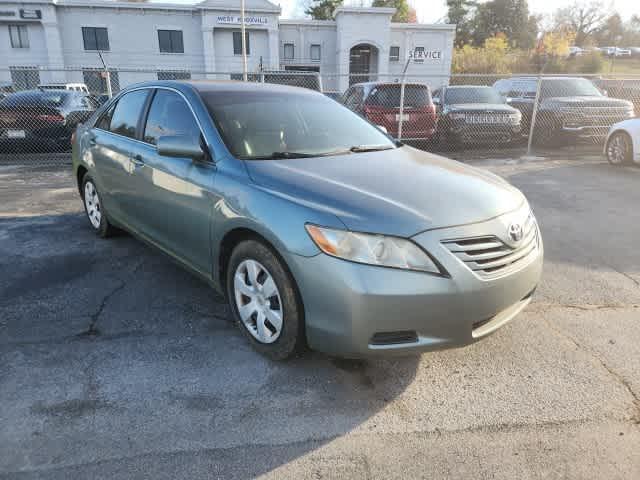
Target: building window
[(170, 41), (96, 81), (174, 75), (24, 78), (95, 38), (19, 36), (419, 54), (394, 54), (289, 51), (315, 53), (237, 43)]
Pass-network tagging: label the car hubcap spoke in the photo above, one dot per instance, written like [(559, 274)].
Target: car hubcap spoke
[(258, 301)]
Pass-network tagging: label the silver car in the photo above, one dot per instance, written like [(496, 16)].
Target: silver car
[(318, 227)]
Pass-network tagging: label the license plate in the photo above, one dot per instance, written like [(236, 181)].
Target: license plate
[(405, 117), (16, 134)]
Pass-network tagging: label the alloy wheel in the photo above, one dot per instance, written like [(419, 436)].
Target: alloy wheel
[(92, 204), (258, 301), (617, 149)]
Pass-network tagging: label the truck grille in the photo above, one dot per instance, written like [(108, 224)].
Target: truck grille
[(487, 118), (488, 256)]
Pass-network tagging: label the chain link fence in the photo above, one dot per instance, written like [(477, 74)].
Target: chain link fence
[(462, 116)]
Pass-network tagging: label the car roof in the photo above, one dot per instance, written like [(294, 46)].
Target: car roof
[(224, 86)]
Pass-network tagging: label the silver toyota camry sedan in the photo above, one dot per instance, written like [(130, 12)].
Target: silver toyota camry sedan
[(319, 228)]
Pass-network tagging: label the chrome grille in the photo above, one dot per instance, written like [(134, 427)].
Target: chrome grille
[(488, 256), (490, 118)]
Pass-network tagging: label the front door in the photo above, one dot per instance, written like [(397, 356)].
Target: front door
[(176, 198)]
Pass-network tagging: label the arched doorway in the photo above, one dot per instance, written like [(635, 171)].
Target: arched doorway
[(363, 63)]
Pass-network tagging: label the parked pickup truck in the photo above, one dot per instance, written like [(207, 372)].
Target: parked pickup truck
[(570, 110)]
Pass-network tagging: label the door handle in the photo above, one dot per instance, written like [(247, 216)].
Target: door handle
[(137, 160)]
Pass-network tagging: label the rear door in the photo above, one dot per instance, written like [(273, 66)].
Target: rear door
[(112, 143), (175, 197)]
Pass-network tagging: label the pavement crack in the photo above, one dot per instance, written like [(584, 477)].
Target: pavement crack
[(635, 417), (92, 330)]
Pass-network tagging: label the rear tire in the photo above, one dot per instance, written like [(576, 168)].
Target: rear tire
[(619, 149), (94, 209), (259, 284)]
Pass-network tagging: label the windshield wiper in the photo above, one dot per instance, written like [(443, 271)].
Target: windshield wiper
[(279, 155), (369, 148)]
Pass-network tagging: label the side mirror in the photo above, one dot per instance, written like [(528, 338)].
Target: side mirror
[(184, 146), (436, 101), (383, 129)]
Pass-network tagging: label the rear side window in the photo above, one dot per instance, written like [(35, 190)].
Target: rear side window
[(127, 112), (415, 96), (169, 115)]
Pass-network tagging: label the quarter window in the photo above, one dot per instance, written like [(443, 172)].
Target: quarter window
[(19, 36), (127, 113), (237, 43), (289, 51), (170, 41), (95, 38), (315, 53), (169, 115), (104, 122), (394, 54)]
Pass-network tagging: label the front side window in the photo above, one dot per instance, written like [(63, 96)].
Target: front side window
[(255, 125), (95, 38), (289, 51), (237, 43), (315, 53), (394, 54), (170, 41), (19, 36), (169, 115), (127, 113)]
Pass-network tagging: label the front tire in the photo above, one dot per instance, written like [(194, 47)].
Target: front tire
[(264, 301), (619, 149), (94, 209)]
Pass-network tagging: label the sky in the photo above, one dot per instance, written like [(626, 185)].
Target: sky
[(432, 11)]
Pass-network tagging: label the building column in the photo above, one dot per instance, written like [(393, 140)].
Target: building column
[(54, 52), (274, 49), (209, 52)]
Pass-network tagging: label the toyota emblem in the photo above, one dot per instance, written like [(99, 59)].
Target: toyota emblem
[(515, 232)]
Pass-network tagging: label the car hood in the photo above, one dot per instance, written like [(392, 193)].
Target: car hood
[(481, 107), (586, 101), (397, 192)]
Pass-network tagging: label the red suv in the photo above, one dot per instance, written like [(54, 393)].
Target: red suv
[(379, 102)]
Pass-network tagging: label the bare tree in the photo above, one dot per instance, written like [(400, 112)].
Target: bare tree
[(582, 18)]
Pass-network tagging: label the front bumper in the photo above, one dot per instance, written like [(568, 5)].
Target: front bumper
[(349, 307), (478, 133)]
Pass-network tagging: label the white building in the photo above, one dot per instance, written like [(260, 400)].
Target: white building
[(59, 40)]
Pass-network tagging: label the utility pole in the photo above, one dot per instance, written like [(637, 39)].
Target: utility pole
[(244, 42)]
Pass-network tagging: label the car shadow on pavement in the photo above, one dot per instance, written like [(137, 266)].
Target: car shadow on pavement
[(113, 359)]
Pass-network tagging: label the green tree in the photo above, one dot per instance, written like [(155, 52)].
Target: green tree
[(323, 9), (404, 13), (458, 13), (510, 17)]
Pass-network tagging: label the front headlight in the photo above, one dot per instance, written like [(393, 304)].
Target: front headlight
[(515, 117), (370, 249)]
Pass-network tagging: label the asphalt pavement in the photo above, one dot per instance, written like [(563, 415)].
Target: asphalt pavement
[(115, 363)]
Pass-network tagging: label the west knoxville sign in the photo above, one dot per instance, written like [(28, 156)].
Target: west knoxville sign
[(237, 20)]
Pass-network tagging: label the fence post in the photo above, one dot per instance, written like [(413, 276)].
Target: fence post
[(401, 118), (534, 115)]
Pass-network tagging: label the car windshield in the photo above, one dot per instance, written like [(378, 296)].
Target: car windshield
[(51, 97), (568, 87), (415, 96), (457, 95), (269, 125)]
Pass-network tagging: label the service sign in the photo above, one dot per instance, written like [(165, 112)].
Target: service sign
[(237, 20), (421, 55)]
